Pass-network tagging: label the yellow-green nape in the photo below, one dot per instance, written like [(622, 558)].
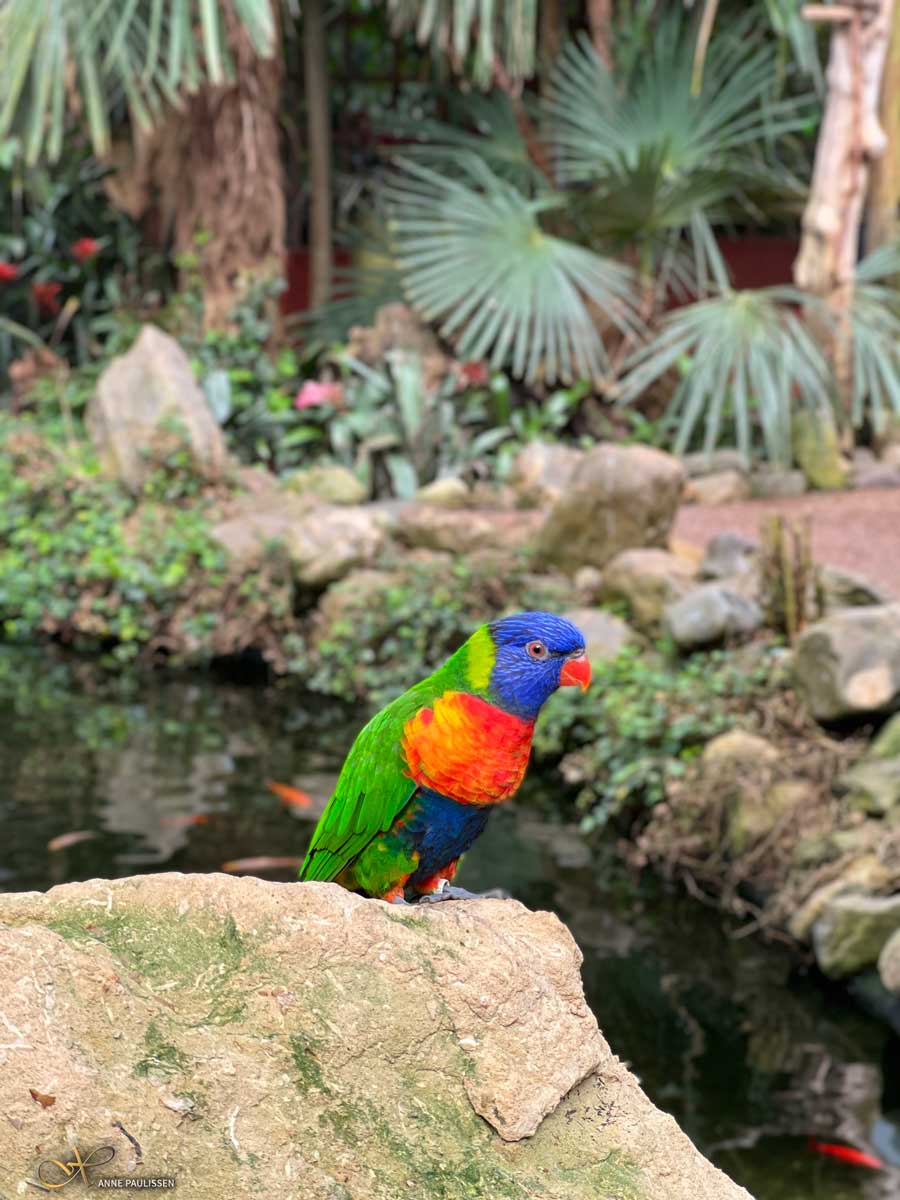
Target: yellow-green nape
[(480, 657)]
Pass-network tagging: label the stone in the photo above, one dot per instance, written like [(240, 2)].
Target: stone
[(817, 450), (296, 1040), (890, 455), (605, 635), (889, 964), (647, 581), (728, 554), (323, 542), (851, 932), (847, 589), (543, 470), (618, 498), (449, 492), (330, 482), (737, 749), (886, 743), (776, 483), (722, 487), (710, 614), (589, 582), (876, 475), (750, 818), (698, 464), (148, 398), (864, 876), (872, 785), (848, 664), (466, 532)]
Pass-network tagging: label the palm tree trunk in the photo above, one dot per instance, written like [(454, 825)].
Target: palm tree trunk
[(882, 223), (315, 65), (599, 18)]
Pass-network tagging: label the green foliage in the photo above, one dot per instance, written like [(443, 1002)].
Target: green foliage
[(78, 262), (875, 330), (745, 359), (384, 633), (644, 718), (82, 560), (144, 53)]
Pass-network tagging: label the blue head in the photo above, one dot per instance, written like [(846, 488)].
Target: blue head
[(536, 653)]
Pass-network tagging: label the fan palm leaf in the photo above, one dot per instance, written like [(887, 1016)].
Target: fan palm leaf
[(875, 333), (142, 51), (475, 259)]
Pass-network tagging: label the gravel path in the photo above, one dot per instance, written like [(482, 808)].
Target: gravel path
[(859, 530)]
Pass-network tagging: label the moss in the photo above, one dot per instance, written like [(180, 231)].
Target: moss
[(162, 1057), (309, 1074)]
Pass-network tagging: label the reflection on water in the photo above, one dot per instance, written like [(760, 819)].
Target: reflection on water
[(751, 1055)]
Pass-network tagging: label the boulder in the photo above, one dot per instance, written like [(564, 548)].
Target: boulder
[(749, 818), (727, 555), (876, 475), (889, 964), (618, 498), (862, 876), (721, 487), (852, 931), (542, 471), (322, 541), (776, 483), (647, 581), (466, 532), (817, 450), (847, 589), (147, 397), (849, 664), (710, 614), (328, 481), (449, 492), (604, 634), (872, 785), (296, 1040), (737, 749), (699, 463)]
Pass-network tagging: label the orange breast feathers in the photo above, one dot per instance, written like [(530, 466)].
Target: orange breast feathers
[(467, 749)]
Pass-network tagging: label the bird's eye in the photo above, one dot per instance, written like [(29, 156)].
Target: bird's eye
[(537, 649)]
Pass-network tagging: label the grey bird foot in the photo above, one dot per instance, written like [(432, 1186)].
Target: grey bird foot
[(456, 893)]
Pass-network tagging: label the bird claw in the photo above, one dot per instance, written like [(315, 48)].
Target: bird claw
[(452, 893)]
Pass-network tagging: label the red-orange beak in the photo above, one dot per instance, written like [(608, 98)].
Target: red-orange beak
[(576, 672)]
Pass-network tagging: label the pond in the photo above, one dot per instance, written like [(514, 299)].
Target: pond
[(752, 1054)]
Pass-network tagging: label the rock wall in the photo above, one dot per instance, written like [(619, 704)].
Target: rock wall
[(253, 1038)]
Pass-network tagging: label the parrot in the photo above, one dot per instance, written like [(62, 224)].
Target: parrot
[(422, 777)]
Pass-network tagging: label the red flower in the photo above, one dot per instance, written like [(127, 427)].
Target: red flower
[(471, 374), (313, 392), (46, 295), (85, 248), (8, 271)]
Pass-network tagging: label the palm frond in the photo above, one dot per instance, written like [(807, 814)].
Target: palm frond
[(745, 359), (475, 258), (141, 49), (476, 35), (875, 335)]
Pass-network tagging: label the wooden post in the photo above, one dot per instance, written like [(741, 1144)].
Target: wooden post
[(882, 218), (315, 71), (850, 139)]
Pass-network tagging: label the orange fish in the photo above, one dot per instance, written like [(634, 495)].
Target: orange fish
[(262, 863), (292, 796), (847, 1154)]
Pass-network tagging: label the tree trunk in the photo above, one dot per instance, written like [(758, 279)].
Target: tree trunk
[(882, 223), (209, 177), (315, 65), (849, 140), (599, 19)]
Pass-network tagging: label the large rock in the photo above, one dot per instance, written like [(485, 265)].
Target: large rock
[(851, 932), (647, 581), (849, 664), (330, 482), (864, 876), (889, 963), (816, 445), (322, 541), (847, 589), (777, 483), (145, 398), (750, 817), (710, 614), (721, 487), (543, 470), (293, 1040), (728, 555), (873, 785), (468, 531), (618, 498)]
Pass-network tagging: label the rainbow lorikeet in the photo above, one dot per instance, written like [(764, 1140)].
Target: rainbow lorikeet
[(421, 778)]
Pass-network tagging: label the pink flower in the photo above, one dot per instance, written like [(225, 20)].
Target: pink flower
[(85, 248), (471, 374), (8, 272), (316, 392)]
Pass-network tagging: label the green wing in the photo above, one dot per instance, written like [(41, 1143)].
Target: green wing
[(371, 791)]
